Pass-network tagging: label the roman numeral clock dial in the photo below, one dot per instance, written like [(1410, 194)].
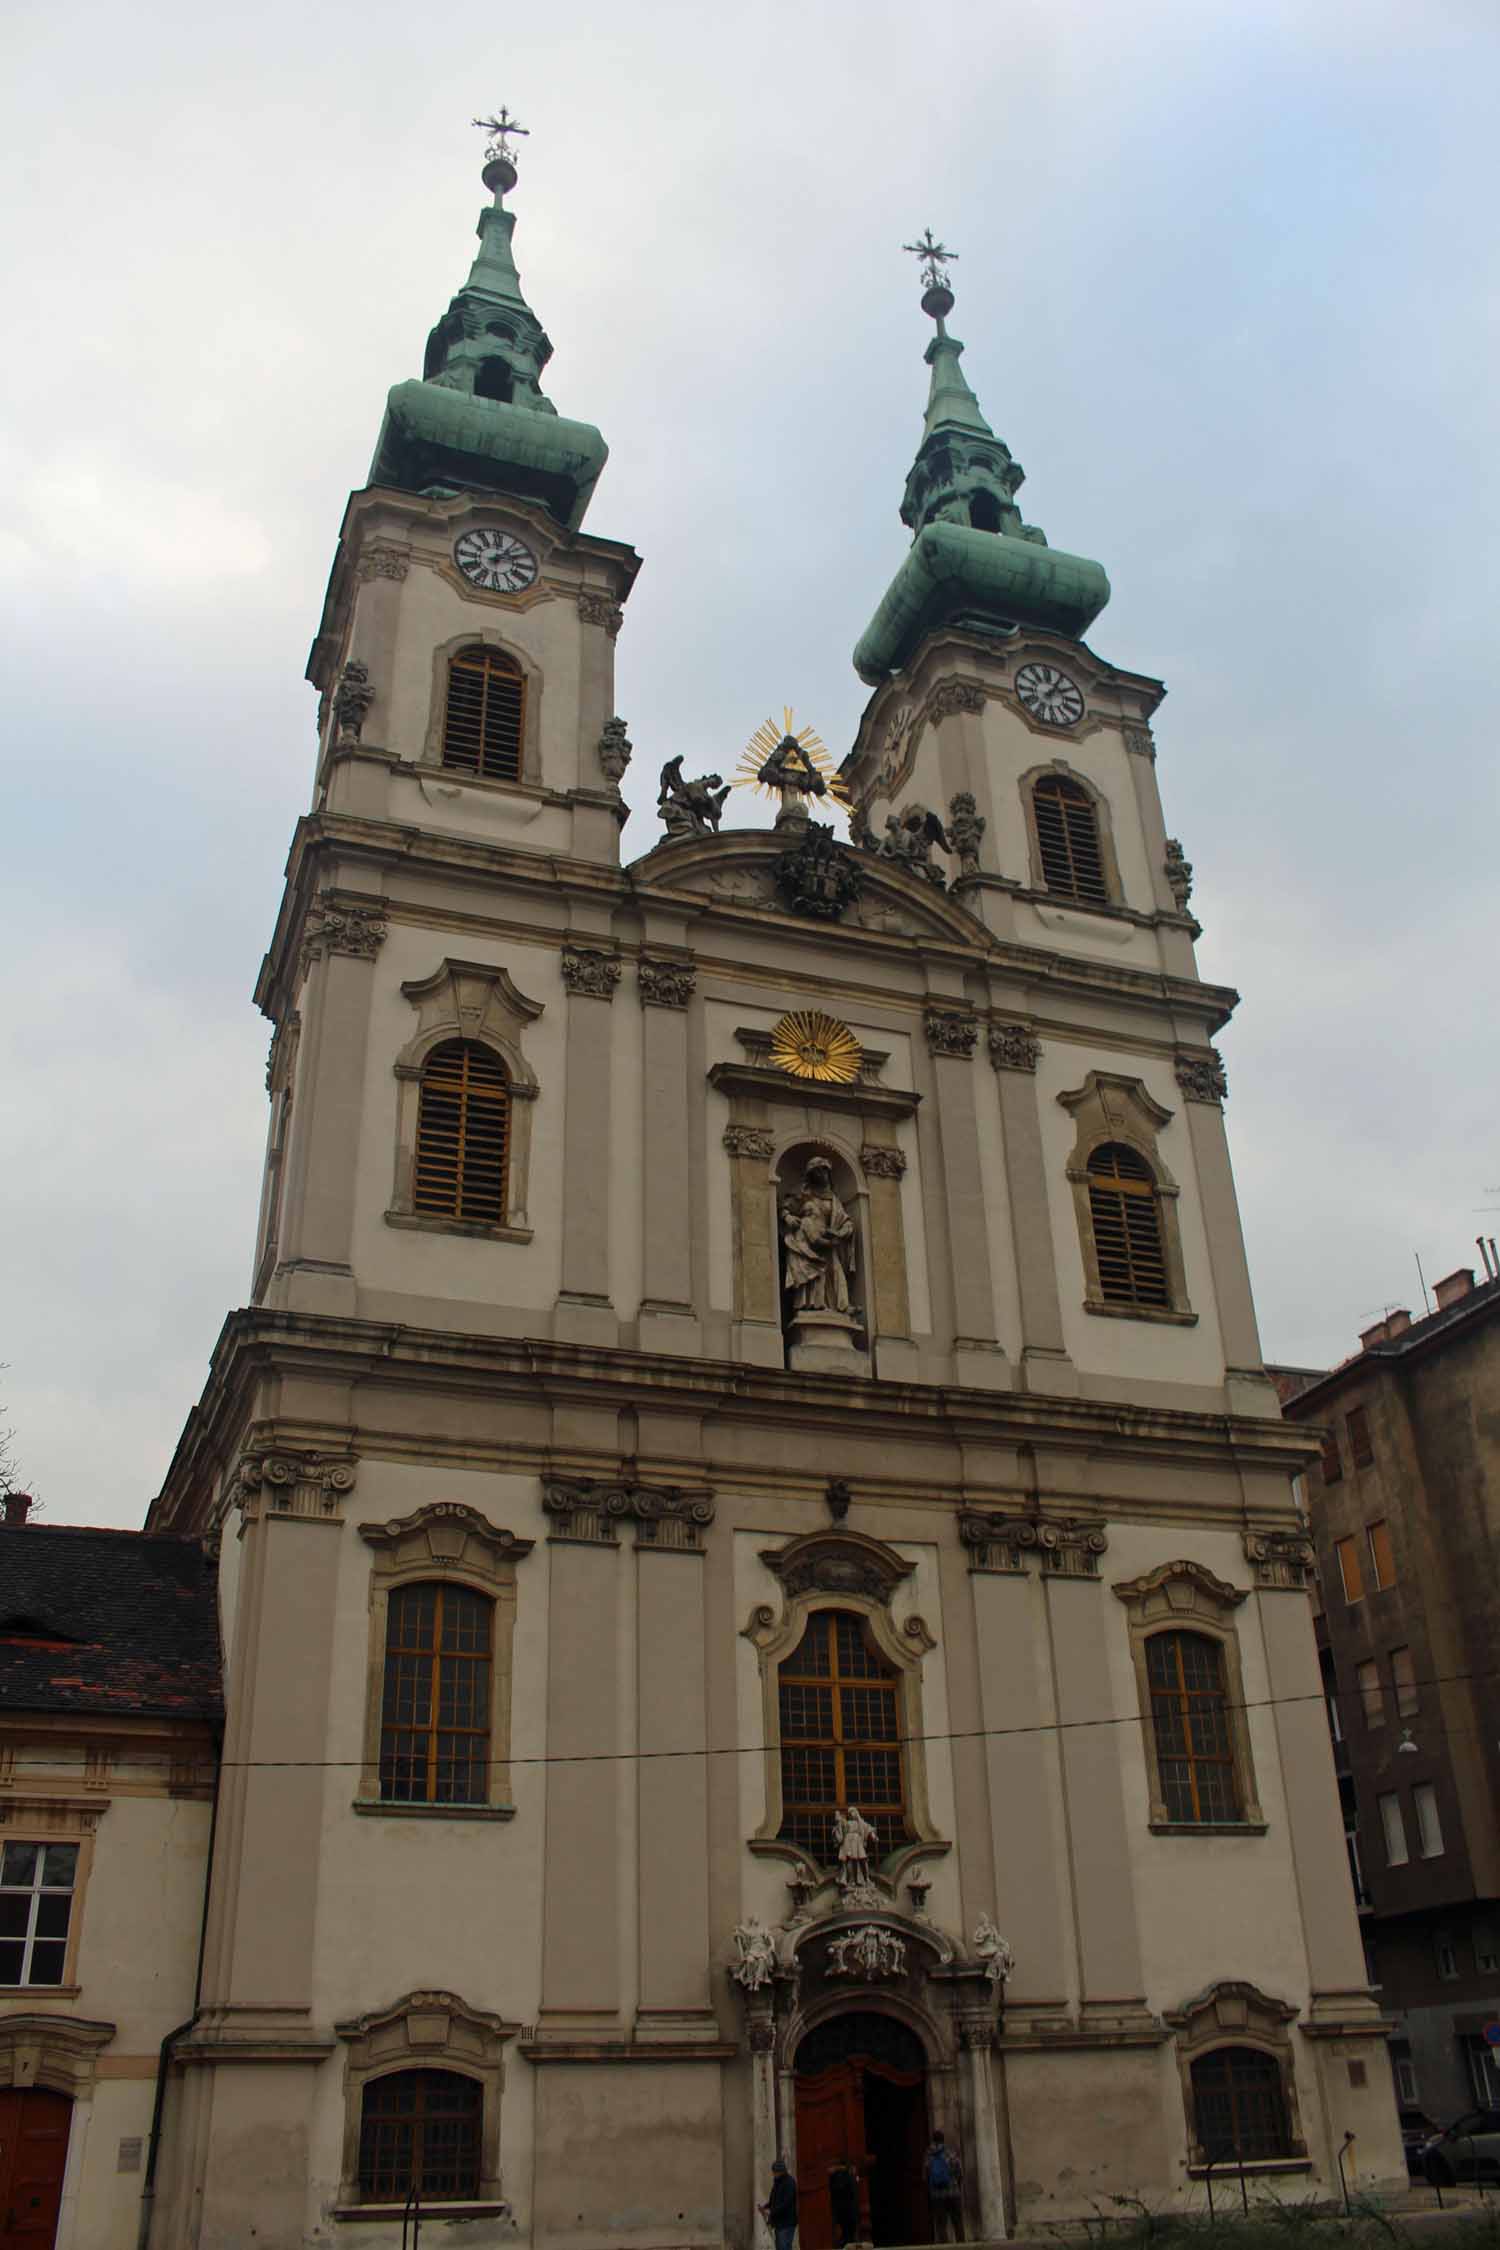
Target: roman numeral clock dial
[(1049, 695), (496, 561)]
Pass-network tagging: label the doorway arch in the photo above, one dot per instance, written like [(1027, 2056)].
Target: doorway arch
[(862, 2093)]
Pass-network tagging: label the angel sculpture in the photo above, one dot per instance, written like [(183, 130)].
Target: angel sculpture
[(690, 808), (909, 839)]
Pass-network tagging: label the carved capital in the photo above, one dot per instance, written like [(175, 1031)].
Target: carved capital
[(1008, 1545), (882, 1163), (1014, 1046), (1202, 1079), (762, 2036), (1281, 1560), (382, 562), (586, 970), (951, 1031), (976, 2031), (1139, 740), (340, 926), (748, 1140), (952, 696), (588, 1509), (598, 609), (666, 984), (292, 1480)]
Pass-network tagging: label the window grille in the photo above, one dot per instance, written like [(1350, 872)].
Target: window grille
[(1067, 835), (435, 1718), (463, 1134), (1239, 2105), (1190, 1717), (840, 1737), (36, 1904), (485, 715), (420, 2128), (1127, 1228)]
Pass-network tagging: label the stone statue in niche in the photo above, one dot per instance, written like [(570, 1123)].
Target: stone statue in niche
[(690, 808), (817, 1237), (991, 1949), (854, 1835)]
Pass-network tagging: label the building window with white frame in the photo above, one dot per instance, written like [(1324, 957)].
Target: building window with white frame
[(36, 1905), (1396, 1854), (1429, 1827)]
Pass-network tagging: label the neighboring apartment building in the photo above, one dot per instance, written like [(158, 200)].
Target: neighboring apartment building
[(109, 1724), (1405, 1509)]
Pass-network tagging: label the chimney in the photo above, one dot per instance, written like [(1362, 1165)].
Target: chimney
[(1453, 1286), (17, 1508), (1384, 1331)]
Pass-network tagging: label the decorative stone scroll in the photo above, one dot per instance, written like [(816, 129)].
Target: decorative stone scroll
[(881, 1163), (1014, 1046), (1202, 1079), (1007, 1545), (598, 609), (837, 1562), (1283, 1561), (666, 1516), (587, 970), (1178, 869), (288, 1480), (614, 750), (952, 696), (869, 1952), (447, 1531), (338, 926), (749, 1140), (951, 1031), (666, 984), (382, 562), (352, 700)]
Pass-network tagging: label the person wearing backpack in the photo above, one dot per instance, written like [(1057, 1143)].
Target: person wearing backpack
[(944, 2191)]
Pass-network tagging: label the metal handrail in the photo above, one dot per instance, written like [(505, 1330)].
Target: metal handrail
[(412, 2210)]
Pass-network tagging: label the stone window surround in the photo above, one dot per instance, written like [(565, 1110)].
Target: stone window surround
[(843, 1570), (1103, 823), (475, 1001), (446, 1543), (485, 636), (1185, 1597), (42, 1817), (425, 2031), (1110, 1107), (1235, 2013)]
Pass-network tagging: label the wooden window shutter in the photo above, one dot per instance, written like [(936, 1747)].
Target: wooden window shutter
[(463, 1134), (1382, 1558), (1127, 1228), (485, 716), (1067, 834)]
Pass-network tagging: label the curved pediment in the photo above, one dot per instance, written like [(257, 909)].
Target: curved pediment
[(737, 871)]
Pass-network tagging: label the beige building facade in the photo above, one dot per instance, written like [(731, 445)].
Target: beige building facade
[(762, 1602)]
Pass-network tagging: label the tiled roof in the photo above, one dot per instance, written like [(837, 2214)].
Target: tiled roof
[(108, 1621)]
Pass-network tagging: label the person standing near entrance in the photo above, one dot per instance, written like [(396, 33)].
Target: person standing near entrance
[(780, 2211), (944, 2191), (843, 2202)]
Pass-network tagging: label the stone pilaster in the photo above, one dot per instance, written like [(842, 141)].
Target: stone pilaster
[(952, 1035), (757, 1311), (667, 1320), (1203, 1086), (581, 1914), (672, 1799), (585, 1313), (1015, 1050)]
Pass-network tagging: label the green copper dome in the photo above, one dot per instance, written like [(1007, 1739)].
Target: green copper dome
[(479, 421), (973, 562)]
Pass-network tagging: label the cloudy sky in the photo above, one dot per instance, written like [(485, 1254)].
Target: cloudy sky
[(1227, 283)]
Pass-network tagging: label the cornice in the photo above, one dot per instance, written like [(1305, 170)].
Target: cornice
[(258, 1343)]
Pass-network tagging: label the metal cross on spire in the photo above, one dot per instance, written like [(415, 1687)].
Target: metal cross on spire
[(934, 256), (500, 129)]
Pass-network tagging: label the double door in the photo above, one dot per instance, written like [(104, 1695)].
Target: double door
[(873, 2114)]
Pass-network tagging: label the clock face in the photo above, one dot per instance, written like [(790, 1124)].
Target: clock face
[(495, 560), (1049, 695)]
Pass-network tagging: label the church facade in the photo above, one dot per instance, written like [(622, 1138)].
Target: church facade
[(763, 1606)]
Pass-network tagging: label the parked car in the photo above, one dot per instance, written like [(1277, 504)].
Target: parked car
[(1417, 2129), (1469, 2149)]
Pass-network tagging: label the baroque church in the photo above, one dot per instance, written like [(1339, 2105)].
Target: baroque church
[(764, 1611)]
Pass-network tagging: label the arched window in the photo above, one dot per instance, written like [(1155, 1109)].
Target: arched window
[(435, 1713), (1191, 1722), (485, 715), (1067, 835), (840, 1715), (420, 2128), (1239, 2104), (1126, 1220), (493, 379), (463, 1134)]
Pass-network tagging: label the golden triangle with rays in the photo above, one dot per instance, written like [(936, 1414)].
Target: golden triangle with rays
[(765, 740)]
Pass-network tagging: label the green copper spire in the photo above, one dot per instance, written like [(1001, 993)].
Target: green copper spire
[(479, 421), (973, 562)]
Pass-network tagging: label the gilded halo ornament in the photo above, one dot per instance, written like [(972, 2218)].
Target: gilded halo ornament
[(763, 748), (812, 1045)]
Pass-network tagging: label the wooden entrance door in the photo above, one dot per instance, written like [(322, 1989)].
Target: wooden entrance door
[(33, 2156), (864, 2097), (830, 2125)]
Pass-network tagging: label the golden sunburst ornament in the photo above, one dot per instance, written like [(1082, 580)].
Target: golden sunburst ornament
[(812, 1045), (769, 738)]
